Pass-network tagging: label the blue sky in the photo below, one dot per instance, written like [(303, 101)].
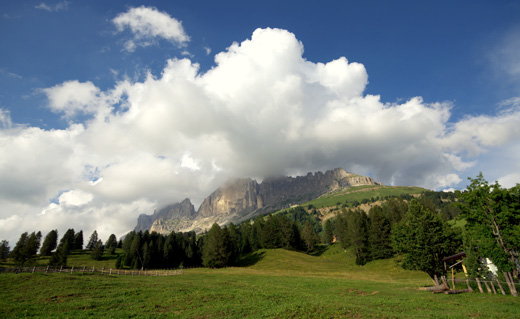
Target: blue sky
[(114, 108)]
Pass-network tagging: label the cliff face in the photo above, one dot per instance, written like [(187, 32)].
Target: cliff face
[(241, 199), (179, 211)]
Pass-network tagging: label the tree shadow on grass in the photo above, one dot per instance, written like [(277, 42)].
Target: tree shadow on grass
[(250, 259), (319, 250)]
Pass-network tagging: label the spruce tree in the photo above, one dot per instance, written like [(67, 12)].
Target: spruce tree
[(380, 234), (97, 250), (111, 244), (309, 236), (328, 232), (5, 250), (49, 243), (217, 249), (92, 241), (78, 240)]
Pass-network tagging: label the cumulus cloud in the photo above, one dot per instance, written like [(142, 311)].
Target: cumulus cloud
[(73, 97), (263, 109), (146, 24)]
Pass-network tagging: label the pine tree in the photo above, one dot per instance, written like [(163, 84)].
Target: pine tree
[(5, 250), (92, 241), (78, 240), (111, 244), (49, 243), (358, 225), (380, 234), (309, 236), (217, 249), (328, 232), (97, 250)]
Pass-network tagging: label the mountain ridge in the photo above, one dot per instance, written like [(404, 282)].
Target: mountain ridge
[(244, 198)]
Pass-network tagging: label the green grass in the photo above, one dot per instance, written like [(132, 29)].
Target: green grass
[(276, 284), (359, 193)]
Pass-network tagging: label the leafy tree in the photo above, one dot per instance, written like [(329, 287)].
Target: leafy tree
[(111, 244), (493, 221), (49, 243), (424, 238), (92, 241), (379, 234), (217, 249), (4, 250)]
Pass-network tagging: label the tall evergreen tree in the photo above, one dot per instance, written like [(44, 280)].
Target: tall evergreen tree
[(309, 237), (78, 240), (380, 232), (92, 241), (5, 250), (328, 232), (217, 249), (358, 235), (111, 244), (97, 250), (49, 243)]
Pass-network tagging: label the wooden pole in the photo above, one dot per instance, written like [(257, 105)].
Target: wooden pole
[(493, 287), (487, 287), (511, 283), (453, 277), (500, 286)]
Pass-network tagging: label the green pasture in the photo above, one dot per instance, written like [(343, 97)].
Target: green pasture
[(268, 284), (359, 193)]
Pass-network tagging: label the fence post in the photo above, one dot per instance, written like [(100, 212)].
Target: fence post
[(83, 271), (72, 269), (487, 287), (500, 286), (479, 285), (493, 287), (511, 283)]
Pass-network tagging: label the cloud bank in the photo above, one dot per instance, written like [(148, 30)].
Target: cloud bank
[(263, 109)]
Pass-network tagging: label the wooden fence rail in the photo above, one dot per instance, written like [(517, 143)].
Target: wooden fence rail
[(102, 271)]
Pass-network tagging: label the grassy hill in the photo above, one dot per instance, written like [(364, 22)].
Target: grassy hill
[(359, 193), (272, 284)]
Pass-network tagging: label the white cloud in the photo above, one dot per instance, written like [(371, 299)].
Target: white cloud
[(146, 24), (73, 97), (64, 5), (262, 109)]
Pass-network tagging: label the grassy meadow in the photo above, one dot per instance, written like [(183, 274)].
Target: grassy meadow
[(269, 284)]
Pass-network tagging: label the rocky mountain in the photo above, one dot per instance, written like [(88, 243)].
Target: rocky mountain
[(242, 199)]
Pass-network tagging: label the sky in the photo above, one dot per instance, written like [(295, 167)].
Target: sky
[(111, 109)]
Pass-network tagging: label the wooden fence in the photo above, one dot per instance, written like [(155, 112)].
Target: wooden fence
[(87, 270), (491, 285)]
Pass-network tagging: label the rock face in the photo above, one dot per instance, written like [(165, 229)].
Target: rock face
[(242, 199), (175, 212)]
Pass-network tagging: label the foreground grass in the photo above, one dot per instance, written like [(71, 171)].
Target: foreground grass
[(276, 284)]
